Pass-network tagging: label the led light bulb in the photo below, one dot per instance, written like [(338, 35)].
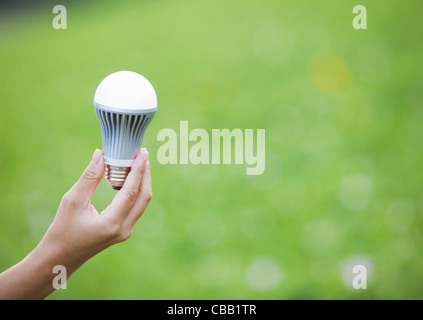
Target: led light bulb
[(125, 103)]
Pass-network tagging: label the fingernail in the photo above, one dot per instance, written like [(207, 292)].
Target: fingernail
[(96, 156), (145, 151)]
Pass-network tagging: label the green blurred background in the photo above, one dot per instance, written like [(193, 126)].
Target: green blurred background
[(342, 109)]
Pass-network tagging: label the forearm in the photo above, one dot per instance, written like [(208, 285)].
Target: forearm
[(32, 278)]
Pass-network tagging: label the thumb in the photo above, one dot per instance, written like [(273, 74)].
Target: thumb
[(88, 182)]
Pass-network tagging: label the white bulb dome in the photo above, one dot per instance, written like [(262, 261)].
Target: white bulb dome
[(126, 91)]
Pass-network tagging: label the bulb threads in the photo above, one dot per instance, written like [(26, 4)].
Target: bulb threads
[(116, 176)]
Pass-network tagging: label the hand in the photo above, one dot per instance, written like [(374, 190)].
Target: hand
[(78, 231)]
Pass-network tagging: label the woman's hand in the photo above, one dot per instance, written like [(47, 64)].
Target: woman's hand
[(78, 231)]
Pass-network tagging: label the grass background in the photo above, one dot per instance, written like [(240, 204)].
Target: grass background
[(342, 109)]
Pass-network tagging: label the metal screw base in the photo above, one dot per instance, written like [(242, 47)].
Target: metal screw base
[(116, 176)]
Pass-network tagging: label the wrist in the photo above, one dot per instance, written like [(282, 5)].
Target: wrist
[(52, 252), (32, 278)]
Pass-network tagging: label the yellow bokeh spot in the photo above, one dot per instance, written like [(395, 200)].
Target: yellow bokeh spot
[(330, 73)]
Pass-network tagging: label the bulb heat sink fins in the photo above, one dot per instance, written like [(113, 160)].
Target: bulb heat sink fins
[(122, 138)]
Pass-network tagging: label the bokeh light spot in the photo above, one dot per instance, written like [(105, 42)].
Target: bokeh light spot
[(323, 236), (264, 273), (272, 42), (330, 73), (356, 191), (346, 268)]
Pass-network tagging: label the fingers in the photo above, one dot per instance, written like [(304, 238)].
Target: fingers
[(84, 188), (142, 201), (125, 198)]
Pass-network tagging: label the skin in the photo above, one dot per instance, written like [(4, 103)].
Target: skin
[(78, 231)]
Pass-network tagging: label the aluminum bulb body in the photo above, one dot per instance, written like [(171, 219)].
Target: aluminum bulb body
[(125, 103)]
